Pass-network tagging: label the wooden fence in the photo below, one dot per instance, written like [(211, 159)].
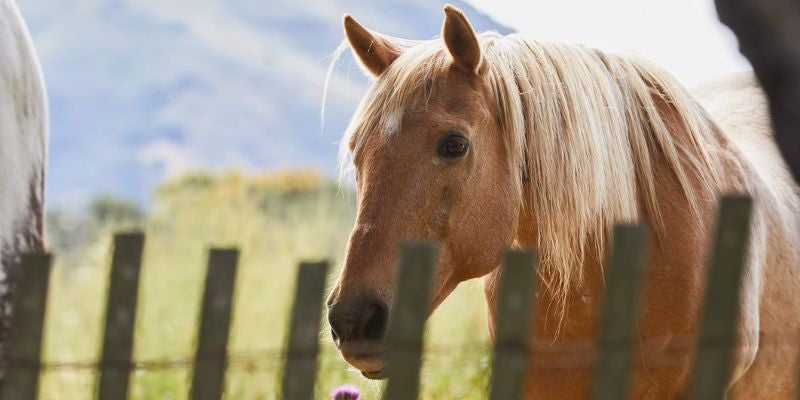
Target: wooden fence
[(405, 335)]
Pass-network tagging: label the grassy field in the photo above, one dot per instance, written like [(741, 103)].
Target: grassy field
[(276, 221)]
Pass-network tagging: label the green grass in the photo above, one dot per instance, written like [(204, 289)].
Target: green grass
[(276, 222)]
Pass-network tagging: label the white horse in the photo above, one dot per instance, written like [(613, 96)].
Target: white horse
[(23, 138)]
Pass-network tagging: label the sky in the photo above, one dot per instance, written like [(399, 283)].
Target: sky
[(219, 84), (683, 36)]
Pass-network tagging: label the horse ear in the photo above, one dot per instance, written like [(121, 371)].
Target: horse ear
[(374, 52), (461, 40)]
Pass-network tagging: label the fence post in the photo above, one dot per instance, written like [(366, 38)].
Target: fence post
[(25, 336), (407, 320), (212, 338), (512, 327), (301, 355), (721, 307), (620, 313), (123, 290)]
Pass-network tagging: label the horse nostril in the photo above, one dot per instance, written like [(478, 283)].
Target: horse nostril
[(339, 327), (374, 322), (334, 336), (361, 320)]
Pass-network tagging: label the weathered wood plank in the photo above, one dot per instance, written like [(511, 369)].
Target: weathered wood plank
[(123, 290), (25, 335), (620, 313), (512, 325), (300, 369), (407, 320), (208, 380), (721, 308)]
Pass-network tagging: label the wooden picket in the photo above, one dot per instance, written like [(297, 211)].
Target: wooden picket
[(413, 282), (212, 339), (123, 289), (620, 313), (514, 306), (303, 344), (25, 336), (412, 300), (718, 324)]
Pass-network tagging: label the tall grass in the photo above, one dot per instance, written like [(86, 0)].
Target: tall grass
[(276, 221)]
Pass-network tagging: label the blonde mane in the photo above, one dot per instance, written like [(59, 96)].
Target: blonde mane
[(582, 126)]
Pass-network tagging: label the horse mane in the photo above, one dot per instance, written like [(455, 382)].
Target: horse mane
[(582, 126)]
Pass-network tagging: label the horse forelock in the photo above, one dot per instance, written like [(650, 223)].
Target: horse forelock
[(583, 127)]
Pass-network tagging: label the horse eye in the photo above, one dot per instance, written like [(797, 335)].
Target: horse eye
[(453, 146)]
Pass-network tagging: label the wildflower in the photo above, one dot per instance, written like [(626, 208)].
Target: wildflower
[(346, 392)]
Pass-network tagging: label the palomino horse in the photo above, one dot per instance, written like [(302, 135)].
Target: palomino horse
[(23, 137), (482, 142)]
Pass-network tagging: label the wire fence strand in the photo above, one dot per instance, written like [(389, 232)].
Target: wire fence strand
[(544, 353)]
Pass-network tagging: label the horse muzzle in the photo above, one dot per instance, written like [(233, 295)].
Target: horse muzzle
[(358, 327), (367, 357)]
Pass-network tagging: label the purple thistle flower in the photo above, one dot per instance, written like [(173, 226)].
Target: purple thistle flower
[(346, 392)]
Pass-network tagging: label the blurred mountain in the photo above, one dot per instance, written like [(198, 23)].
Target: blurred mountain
[(141, 90)]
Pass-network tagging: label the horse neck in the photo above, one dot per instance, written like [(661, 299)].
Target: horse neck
[(677, 215)]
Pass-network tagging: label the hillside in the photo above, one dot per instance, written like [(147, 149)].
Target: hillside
[(141, 90)]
